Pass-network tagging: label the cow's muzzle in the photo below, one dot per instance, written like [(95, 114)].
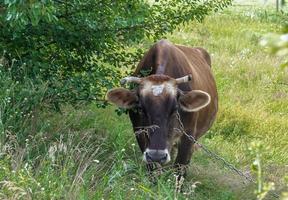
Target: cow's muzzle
[(156, 155)]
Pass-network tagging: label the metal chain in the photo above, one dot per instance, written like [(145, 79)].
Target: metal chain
[(145, 129), (217, 157), (213, 155)]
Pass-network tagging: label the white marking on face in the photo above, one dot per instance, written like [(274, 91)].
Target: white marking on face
[(171, 89), (157, 89)]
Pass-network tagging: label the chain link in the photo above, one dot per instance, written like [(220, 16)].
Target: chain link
[(145, 129), (217, 157)]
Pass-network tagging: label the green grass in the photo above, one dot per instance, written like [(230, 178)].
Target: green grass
[(90, 153)]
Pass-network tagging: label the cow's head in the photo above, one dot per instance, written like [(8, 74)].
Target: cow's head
[(156, 101)]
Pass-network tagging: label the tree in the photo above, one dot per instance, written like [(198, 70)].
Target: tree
[(81, 48)]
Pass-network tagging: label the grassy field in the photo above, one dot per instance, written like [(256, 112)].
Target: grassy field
[(94, 155)]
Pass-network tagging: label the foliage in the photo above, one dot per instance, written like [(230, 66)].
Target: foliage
[(79, 47), (18, 184), (20, 102), (92, 161), (57, 52), (277, 44), (55, 174), (256, 149), (263, 188)]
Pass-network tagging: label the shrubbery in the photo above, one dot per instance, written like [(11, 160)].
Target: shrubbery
[(57, 52), (81, 48)]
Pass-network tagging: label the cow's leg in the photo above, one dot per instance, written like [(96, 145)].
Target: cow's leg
[(185, 151), (185, 146)]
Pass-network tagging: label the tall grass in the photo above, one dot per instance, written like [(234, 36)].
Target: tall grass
[(91, 153)]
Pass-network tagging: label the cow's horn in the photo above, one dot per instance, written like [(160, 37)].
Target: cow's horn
[(130, 79), (184, 79)]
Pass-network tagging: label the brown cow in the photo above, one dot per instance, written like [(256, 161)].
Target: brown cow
[(159, 97)]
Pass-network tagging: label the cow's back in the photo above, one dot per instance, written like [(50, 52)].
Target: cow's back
[(202, 80)]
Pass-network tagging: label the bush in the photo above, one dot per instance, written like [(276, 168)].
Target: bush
[(81, 48), (67, 52)]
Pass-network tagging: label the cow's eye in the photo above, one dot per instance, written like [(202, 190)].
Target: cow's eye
[(140, 109)]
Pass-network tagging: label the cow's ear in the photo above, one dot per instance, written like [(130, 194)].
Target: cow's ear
[(122, 97), (194, 100)]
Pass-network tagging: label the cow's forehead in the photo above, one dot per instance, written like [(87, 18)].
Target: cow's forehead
[(159, 88)]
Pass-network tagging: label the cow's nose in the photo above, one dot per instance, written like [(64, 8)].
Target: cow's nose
[(153, 155)]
